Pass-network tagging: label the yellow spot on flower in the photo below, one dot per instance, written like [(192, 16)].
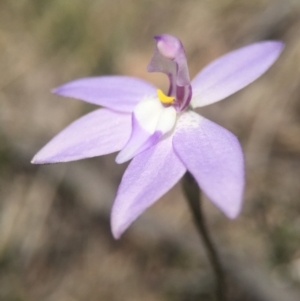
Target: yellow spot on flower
[(164, 98)]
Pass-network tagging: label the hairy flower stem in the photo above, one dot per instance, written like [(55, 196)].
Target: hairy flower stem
[(192, 193)]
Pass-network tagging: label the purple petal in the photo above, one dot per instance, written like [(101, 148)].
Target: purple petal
[(120, 93), (149, 176), (214, 157), (233, 71), (98, 133)]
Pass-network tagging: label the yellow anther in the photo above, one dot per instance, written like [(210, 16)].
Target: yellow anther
[(164, 98)]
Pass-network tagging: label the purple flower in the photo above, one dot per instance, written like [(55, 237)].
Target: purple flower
[(161, 132)]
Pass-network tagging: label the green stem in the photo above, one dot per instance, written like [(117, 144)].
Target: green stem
[(192, 193)]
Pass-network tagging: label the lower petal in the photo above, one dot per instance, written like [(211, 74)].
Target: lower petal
[(214, 157), (149, 176), (98, 133)]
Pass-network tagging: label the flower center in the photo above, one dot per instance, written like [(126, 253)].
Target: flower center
[(164, 98)]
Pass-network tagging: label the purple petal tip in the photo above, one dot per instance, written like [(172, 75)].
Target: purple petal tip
[(274, 46), (116, 234), (279, 45), (233, 214), (35, 160), (117, 228), (39, 162), (56, 90)]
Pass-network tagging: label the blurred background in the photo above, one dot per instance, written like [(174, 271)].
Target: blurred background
[(55, 240)]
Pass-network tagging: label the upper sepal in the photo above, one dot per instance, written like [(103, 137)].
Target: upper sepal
[(233, 71), (119, 93)]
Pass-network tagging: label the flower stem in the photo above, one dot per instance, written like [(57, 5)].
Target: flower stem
[(192, 193)]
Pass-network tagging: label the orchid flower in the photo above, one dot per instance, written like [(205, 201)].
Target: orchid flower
[(162, 133)]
